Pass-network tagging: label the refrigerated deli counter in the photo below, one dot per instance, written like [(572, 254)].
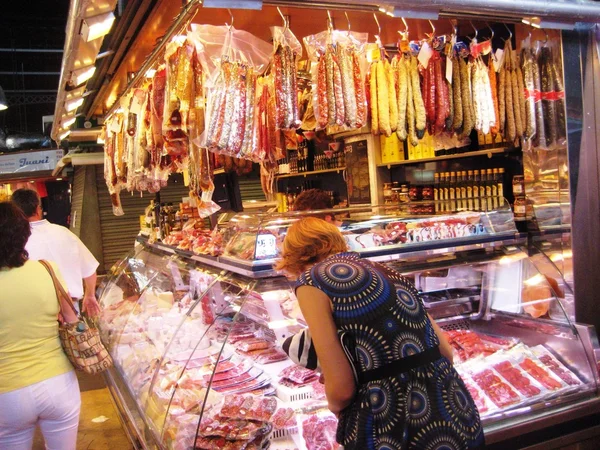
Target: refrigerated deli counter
[(196, 339)]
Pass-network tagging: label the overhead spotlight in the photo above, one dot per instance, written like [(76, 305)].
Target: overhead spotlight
[(80, 76), (95, 27), (3, 101), (72, 105)]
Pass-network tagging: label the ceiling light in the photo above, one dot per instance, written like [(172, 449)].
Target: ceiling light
[(3, 101), (68, 121), (64, 135), (95, 27), (72, 105), (416, 14), (80, 76)]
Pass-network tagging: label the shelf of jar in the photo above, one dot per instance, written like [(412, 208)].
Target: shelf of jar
[(313, 172), (486, 152)]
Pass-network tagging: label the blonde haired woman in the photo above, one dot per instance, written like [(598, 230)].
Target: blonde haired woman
[(392, 383)]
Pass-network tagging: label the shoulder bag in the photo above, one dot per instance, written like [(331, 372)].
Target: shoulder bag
[(81, 344)]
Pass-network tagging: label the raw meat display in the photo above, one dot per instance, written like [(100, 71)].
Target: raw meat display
[(498, 391), (319, 432), (517, 379), (540, 374), (248, 407), (297, 374), (549, 361)]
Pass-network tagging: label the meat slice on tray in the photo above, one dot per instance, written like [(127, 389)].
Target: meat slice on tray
[(500, 393), (540, 374), (516, 378), (559, 370)]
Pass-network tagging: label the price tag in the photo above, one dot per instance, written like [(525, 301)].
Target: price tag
[(136, 101), (449, 69), (266, 246), (425, 54), (498, 60), (177, 278), (115, 125)]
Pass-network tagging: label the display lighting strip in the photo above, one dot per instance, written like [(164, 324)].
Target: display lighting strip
[(65, 134), (96, 27), (72, 105), (68, 121), (80, 76)]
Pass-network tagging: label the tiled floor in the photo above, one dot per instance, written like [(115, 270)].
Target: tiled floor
[(95, 402)]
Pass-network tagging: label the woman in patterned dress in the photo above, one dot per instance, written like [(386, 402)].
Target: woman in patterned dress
[(401, 390)]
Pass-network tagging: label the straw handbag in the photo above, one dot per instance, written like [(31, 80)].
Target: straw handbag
[(80, 340)]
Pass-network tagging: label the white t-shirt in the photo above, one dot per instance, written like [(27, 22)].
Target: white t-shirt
[(56, 243)]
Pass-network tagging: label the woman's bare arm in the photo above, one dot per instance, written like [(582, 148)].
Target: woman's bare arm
[(339, 380), (445, 347)]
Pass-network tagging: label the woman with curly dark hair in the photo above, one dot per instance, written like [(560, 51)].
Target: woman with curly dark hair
[(38, 385)]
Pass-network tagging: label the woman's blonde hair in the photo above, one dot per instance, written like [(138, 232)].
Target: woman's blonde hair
[(307, 242)]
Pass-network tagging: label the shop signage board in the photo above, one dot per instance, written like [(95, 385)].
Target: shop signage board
[(30, 161)]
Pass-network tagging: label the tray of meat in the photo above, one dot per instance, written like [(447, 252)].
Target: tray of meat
[(221, 386), (527, 386), (298, 374), (250, 385), (469, 344), (234, 372), (318, 431), (484, 405), (549, 361), (232, 429), (250, 407), (499, 392), (249, 345)]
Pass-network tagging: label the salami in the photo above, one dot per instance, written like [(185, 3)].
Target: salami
[(530, 95), (441, 103), (494, 88), (511, 131), (457, 122), (402, 92), (349, 92), (410, 113), (359, 89), (419, 107), (322, 99), (393, 99), (540, 137), (466, 98), (373, 99), (331, 100), (340, 111), (383, 100)]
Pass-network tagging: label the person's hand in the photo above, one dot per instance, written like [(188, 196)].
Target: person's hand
[(90, 306)]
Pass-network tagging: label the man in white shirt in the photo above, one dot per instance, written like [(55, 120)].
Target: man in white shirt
[(56, 243)]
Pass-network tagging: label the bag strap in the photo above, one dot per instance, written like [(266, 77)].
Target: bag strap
[(61, 294)]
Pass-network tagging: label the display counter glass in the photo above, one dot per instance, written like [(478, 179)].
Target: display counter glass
[(197, 342)]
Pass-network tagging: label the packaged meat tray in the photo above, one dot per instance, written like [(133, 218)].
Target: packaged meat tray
[(297, 374), (318, 431), (502, 394), (549, 361), (484, 405), (222, 385)]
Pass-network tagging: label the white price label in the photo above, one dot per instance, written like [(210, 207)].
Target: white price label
[(498, 60), (449, 69), (425, 54), (177, 278), (266, 246)]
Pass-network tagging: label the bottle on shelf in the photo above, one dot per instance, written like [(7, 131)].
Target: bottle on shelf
[(476, 199), (489, 189), (452, 191), (436, 191), (469, 188), (495, 188), (500, 184), (446, 190)]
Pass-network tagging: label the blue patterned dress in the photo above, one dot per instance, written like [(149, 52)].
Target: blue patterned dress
[(427, 407)]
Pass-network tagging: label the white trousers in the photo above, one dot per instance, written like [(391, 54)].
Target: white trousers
[(54, 404)]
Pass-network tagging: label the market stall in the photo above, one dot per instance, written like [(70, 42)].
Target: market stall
[(448, 137)]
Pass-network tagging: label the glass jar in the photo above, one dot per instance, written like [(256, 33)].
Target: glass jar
[(520, 208), (427, 192), (518, 185), (403, 194), (387, 193), (414, 193)]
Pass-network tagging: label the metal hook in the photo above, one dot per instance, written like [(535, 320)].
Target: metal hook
[(378, 26), (230, 15), (329, 21), (432, 28), (405, 25), (286, 24), (476, 32), (454, 24), (347, 20), (546, 41), (491, 29), (509, 32)]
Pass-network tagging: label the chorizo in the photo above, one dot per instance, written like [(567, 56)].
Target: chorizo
[(402, 98), (457, 122), (373, 99), (383, 101)]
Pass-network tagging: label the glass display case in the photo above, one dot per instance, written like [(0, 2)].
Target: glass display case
[(197, 340)]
